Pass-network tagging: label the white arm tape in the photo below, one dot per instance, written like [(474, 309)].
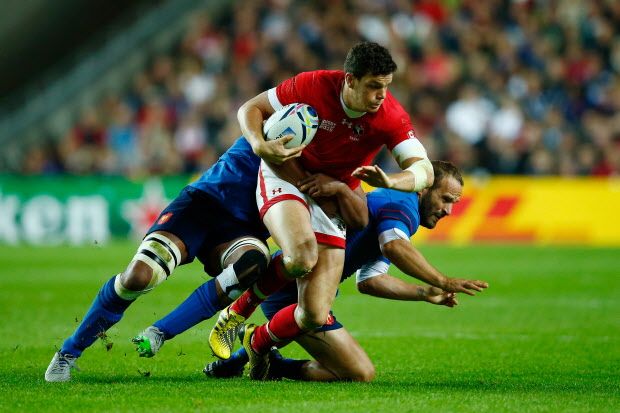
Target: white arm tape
[(412, 148), (273, 99), (409, 148), (421, 171), (371, 270), (391, 235)]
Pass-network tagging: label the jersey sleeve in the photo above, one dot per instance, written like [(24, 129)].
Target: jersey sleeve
[(294, 89), (372, 269), (396, 216), (400, 128)]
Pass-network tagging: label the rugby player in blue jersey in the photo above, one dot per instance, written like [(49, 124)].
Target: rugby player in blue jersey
[(214, 219), (394, 218)]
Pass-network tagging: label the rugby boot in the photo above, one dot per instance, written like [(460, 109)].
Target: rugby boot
[(60, 367), (259, 364), (222, 336), (149, 341), (224, 369)]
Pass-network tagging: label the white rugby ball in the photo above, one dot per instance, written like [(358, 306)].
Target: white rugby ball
[(297, 119)]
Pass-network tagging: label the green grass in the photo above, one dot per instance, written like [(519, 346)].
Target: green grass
[(544, 337)]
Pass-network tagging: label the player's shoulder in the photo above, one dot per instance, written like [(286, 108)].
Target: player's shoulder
[(323, 77), (393, 120), (382, 198), (393, 109)]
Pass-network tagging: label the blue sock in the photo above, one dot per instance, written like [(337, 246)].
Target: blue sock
[(287, 368), (200, 305), (105, 311), (239, 357)]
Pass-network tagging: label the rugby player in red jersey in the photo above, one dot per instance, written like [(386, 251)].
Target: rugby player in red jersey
[(358, 116)]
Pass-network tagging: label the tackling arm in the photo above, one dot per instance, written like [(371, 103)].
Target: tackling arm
[(372, 279), (409, 260), (351, 203), (386, 286)]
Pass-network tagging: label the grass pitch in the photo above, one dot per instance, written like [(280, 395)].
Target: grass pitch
[(544, 337)]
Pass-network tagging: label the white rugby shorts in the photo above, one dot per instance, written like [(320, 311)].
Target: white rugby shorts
[(271, 189)]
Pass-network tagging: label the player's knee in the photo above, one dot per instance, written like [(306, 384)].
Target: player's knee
[(250, 267), (363, 372), (137, 276), (249, 257), (302, 259), (155, 260), (310, 318)]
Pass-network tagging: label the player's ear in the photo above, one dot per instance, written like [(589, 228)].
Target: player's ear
[(349, 79)]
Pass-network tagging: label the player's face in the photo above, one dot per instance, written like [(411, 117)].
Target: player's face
[(437, 203), (368, 92)]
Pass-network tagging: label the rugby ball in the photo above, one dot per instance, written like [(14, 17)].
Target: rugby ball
[(297, 119)]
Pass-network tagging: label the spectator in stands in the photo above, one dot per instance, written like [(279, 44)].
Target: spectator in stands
[(498, 86)]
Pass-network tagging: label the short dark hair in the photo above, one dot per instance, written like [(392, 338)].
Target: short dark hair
[(444, 169), (369, 57)]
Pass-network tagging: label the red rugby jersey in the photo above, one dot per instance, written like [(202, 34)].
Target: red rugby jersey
[(341, 144)]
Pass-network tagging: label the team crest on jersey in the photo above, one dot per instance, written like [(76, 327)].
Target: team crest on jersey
[(327, 125), (164, 218), (358, 130), (411, 135)]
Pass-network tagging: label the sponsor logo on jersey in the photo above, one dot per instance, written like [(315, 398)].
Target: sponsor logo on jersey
[(327, 125), (276, 191), (411, 135)]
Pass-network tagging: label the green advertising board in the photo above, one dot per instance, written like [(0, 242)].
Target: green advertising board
[(81, 210)]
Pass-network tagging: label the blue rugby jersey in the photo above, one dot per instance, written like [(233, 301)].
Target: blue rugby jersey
[(232, 181), (387, 209)]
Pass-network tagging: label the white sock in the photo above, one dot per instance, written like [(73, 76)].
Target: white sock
[(229, 283)]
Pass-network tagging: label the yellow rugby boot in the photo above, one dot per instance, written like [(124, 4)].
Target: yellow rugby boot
[(223, 334), (259, 364)]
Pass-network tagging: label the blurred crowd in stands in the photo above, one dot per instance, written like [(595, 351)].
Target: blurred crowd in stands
[(495, 86)]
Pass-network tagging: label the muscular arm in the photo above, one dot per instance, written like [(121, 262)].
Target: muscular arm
[(353, 207), (351, 203), (386, 286), (251, 116), (411, 261), (417, 174), (417, 170)]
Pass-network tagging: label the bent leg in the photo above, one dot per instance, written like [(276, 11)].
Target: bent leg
[(316, 293), (243, 262), (337, 356), (116, 295), (289, 224)]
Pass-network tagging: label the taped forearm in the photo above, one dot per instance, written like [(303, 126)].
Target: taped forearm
[(422, 171), (412, 158)]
